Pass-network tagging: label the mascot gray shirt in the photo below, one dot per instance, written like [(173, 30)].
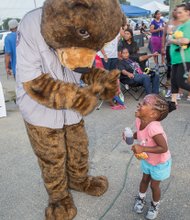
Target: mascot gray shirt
[(35, 57)]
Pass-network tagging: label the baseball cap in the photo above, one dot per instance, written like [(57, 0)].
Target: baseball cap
[(13, 23)]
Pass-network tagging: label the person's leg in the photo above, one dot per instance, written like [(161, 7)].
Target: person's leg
[(155, 44), (174, 83), (181, 80), (145, 81), (140, 199), (156, 192), (144, 183), (77, 162), (168, 60), (105, 64), (49, 147), (155, 83), (113, 63)]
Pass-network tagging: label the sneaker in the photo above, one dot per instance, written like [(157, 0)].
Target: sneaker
[(152, 211), (126, 87), (156, 68), (178, 96), (168, 94), (139, 204), (118, 107), (188, 98)]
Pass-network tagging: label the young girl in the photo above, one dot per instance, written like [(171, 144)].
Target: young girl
[(153, 142)]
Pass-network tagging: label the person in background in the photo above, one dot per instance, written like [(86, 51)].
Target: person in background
[(128, 42), (169, 29), (143, 30), (109, 54), (156, 30), (131, 73), (10, 48), (180, 58)]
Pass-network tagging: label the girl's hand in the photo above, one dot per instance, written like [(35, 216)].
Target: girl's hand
[(137, 149)]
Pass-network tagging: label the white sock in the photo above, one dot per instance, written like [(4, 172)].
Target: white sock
[(156, 203), (142, 195)]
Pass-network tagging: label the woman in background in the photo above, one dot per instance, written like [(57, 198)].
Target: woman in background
[(156, 30)]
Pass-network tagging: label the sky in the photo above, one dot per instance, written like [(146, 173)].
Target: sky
[(18, 8)]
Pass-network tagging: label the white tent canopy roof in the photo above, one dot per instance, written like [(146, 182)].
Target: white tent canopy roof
[(154, 6)]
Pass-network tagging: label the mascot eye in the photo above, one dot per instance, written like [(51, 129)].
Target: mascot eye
[(83, 33)]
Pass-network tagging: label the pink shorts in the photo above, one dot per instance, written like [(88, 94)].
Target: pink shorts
[(156, 44)]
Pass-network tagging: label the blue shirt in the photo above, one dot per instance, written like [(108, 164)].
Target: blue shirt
[(10, 48)]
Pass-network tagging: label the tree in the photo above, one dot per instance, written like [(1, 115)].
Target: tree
[(167, 2), (5, 23), (125, 2)]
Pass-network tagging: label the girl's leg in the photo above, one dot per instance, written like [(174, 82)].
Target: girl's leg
[(156, 192), (140, 199), (154, 207), (144, 183)]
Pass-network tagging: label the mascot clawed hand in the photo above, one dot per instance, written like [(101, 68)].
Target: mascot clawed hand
[(56, 47)]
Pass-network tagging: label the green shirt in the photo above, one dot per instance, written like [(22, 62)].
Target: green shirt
[(176, 55)]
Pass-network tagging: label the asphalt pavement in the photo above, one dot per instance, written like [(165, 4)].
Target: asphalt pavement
[(23, 196)]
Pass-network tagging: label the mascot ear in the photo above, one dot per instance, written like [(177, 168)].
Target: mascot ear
[(82, 3)]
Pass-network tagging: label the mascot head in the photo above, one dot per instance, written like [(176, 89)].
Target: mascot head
[(77, 29)]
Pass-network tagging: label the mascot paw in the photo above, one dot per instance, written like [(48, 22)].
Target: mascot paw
[(85, 101), (111, 85), (94, 186), (64, 209)]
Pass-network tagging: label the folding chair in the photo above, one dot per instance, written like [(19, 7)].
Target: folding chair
[(162, 73), (136, 90)]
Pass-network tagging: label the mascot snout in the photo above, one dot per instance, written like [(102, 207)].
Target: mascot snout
[(76, 58)]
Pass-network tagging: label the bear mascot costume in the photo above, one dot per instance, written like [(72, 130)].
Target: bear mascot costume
[(56, 47)]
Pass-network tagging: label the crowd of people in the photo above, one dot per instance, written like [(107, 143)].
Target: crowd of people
[(163, 43)]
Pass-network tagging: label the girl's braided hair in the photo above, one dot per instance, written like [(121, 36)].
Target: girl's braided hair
[(163, 106)]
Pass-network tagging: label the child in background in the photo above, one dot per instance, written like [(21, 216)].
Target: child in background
[(153, 141)]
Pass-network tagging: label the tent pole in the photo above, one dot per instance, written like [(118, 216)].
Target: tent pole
[(173, 4)]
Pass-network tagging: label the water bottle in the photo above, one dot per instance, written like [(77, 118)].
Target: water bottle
[(128, 136)]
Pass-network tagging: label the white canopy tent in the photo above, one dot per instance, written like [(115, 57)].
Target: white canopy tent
[(154, 6)]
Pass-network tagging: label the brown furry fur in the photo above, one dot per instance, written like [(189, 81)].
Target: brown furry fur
[(58, 95), (63, 159), (62, 155), (62, 21)]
